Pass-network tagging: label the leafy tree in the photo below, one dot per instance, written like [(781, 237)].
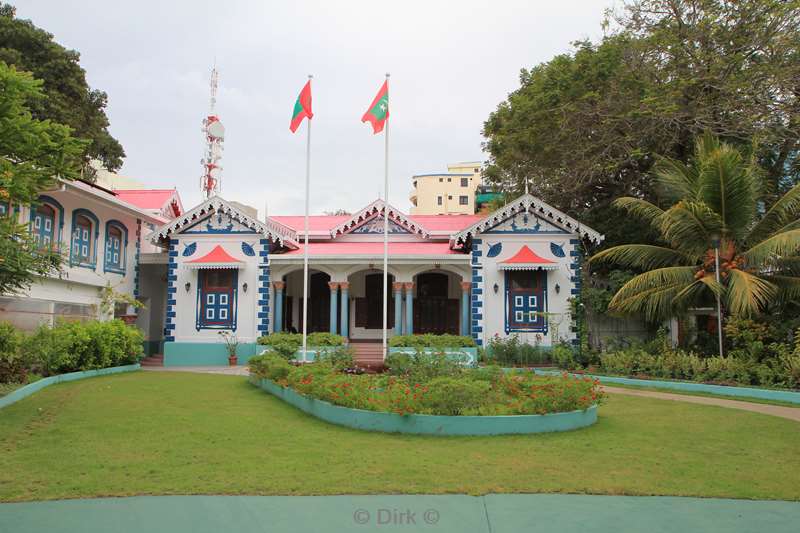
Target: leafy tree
[(715, 203), (32, 153), (588, 126), (69, 99)]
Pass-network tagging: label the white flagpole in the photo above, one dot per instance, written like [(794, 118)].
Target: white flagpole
[(305, 228), (385, 231)]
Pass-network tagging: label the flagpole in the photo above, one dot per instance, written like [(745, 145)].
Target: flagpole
[(305, 228), (385, 232)]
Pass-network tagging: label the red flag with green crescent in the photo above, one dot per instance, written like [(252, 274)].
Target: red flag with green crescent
[(378, 111), (302, 107)]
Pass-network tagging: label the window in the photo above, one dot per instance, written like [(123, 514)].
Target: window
[(476, 170), (449, 196), (526, 299), (216, 295), (449, 180), (463, 200), (116, 244), (441, 180), (84, 238), (44, 225), (415, 184), (465, 182), (438, 200)]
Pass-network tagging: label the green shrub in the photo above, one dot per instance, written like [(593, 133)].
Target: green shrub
[(564, 356), (323, 339), (430, 340), (13, 364), (339, 357), (270, 365), (287, 344), (454, 396), (510, 351), (422, 366)]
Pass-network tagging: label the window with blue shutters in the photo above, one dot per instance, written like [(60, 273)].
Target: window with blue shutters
[(84, 234), (116, 244), (217, 299), (526, 300), (44, 226)]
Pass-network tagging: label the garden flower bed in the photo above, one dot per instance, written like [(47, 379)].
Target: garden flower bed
[(436, 390)]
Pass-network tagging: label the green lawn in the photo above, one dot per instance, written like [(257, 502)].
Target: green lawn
[(177, 433)]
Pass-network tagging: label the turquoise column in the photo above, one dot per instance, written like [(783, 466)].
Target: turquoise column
[(334, 286), (345, 318), (465, 286), (279, 285), (398, 308), (409, 308)]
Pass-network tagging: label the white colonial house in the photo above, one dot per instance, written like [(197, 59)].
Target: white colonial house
[(513, 271), (100, 233)]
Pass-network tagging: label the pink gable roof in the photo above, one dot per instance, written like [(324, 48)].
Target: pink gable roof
[(373, 249), (315, 222), (215, 256), (446, 222)]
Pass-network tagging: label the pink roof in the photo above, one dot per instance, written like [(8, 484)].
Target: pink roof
[(374, 249), (446, 222), (217, 255), (315, 222), (145, 198), (526, 256), (429, 222)]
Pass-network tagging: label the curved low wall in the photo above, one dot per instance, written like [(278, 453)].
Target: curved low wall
[(27, 390), (690, 386), (429, 424)]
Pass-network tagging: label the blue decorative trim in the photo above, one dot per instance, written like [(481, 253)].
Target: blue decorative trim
[(73, 261), (263, 302), (476, 298), (189, 249), (248, 250), (136, 258), (111, 267), (171, 318), (45, 199)]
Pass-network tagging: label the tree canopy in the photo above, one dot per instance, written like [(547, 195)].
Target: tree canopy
[(589, 126), (32, 153), (69, 99), (714, 206)]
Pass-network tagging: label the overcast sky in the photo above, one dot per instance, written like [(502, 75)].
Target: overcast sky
[(451, 64)]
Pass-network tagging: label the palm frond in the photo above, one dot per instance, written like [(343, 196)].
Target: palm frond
[(652, 293), (677, 180), (773, 249), (748, 294), (784, 211), (688, 226), (641, 209), (642, 257), (788, 287), (691, 294), (729, 186)]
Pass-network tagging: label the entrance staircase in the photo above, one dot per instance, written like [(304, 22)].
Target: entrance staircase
[(153, 360), (368, 355)]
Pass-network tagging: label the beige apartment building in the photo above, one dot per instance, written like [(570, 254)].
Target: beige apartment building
[(447, 193)]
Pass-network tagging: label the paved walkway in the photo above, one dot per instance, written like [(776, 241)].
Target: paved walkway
[(792, 413), (499, 513)]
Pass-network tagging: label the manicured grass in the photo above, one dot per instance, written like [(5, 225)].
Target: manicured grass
[(704, 394), (177, 433)]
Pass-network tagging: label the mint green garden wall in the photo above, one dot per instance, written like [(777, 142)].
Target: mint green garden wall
[(27, 390), (205, 353), (429, 424), (688, 386)]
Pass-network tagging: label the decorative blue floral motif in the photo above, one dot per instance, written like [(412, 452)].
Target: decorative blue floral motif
[(248, 250), (494, 250), (557, 249), (190, 249)]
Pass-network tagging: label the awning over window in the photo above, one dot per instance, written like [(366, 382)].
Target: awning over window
[(526, 259), (216, 258)]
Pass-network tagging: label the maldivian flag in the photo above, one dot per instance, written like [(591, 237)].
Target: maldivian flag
[(302, 107), (378, 111)]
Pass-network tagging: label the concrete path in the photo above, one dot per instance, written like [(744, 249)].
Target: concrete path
[(792, 413), (498, 513)]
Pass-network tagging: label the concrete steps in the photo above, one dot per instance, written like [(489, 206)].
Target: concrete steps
[(153, 360), (368, 354)]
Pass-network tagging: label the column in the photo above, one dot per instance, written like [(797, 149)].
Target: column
[(344, 320), (409, 308), (465, 286), (278, 286), (398, 307), (334, 286)]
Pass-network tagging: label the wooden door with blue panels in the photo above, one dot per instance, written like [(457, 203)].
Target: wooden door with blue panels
[(526, 300), (217, 299)]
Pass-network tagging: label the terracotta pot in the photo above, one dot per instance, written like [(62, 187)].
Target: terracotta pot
[(129, 319), (232, 360)]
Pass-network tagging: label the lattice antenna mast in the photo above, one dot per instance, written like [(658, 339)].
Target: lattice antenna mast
[(214, 132)]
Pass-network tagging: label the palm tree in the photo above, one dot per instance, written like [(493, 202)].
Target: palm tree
[(716, 203)]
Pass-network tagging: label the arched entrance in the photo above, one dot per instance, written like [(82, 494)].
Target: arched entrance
[(366, 313), (436, 309), (319, 302)]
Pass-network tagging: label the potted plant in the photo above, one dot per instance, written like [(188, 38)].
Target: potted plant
[(231, 344)]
